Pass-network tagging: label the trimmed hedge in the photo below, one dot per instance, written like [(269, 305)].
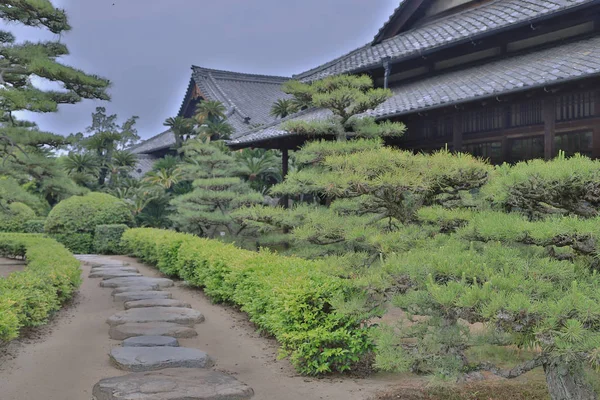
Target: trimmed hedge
[(73, 221), (15, 218), (29, 297), (288, 297), (107, 239)]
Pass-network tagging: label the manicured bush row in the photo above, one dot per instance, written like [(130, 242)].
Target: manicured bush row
[(29, 297), (34, 226), (289, 298), (107, 239)]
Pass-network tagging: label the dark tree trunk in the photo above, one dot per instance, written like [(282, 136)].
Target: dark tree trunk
[(567, 382)]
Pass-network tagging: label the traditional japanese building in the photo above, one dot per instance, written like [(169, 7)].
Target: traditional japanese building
[(248, 99), (508, 80)]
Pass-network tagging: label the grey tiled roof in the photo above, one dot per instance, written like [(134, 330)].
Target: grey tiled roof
[(562, 63), (161, 141), (247, 97), (465, 25)]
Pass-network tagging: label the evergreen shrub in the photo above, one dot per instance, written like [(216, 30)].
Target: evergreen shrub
[(288, 297), (34, 226), (14, 217), (73, 221), (107, 239), (29, 297)]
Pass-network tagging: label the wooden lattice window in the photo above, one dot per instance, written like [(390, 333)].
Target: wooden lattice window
[(525, 114), (487, 119), (575, 106), (574, 142), (489, 150), (526, 148)]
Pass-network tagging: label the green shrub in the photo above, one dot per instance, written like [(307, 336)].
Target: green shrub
[(15, 217), (34, 226), (29, 297), (73, 221), (290, 298), (107, 239)]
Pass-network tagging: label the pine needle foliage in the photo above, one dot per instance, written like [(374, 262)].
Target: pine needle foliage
[(347, 97)]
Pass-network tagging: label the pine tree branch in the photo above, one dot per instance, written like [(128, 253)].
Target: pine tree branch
[(515, 371)]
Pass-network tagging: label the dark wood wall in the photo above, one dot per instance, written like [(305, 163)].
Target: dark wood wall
[(536, 124)]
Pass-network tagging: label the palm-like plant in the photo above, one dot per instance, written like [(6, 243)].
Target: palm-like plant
[(210, 110), (283, 107), (81, 163), (165, 178), (182, 128), (215, 130), (260, 167)]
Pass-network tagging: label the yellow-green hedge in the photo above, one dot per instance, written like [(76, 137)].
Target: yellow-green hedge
[(29, 297), (289, 298)]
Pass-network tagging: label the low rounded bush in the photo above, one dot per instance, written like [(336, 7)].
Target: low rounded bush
[(107, 239), (73, 221), (15, 217)]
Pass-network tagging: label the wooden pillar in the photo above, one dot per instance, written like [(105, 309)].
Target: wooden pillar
[(549, 117), (457, 133), (285, 165), (596, 133)]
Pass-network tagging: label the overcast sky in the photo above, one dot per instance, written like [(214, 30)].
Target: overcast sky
[(146, 47)]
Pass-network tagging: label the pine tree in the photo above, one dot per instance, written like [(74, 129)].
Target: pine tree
[(347, 97), (218, 190)]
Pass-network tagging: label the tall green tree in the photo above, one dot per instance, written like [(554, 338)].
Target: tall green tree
[(104, 138), (28, 150)]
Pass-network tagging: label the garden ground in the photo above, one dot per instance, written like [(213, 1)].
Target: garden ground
[(65, 360), (8, 266)]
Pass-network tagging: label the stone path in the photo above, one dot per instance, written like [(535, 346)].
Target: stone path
[(149, 326)]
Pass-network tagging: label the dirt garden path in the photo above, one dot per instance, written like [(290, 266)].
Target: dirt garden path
[(67, 361)]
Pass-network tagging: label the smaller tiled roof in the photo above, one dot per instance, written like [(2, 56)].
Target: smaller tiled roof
[(462, 26), (567, 62), (247, 97), (159, 142), (144, 164)]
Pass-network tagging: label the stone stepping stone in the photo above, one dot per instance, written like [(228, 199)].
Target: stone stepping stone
[(137, 281), (173, 384), (147, 288), (156, 303), (177, 315), (145, 295), (111, 275), (116, 269), (150, 341), (100, 264), (140, 359), (125, 331)]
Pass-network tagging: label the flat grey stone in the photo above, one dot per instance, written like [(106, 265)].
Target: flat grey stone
[(146, 295), (177, 315), (140, 359), (150, 341), (147, 288), (115, 269), (173, 384), (156, 303), (122, 332), (137, 281), (111, 275), (98, 264)]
